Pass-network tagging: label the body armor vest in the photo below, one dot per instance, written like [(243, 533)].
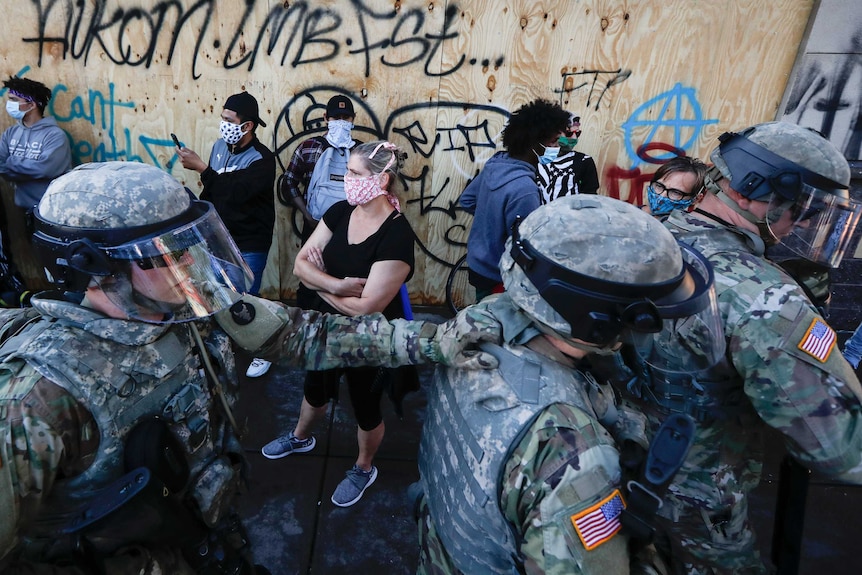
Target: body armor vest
[(475, 419), (126, 373)]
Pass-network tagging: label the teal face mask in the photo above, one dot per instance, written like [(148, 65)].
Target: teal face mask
[(568, 142)]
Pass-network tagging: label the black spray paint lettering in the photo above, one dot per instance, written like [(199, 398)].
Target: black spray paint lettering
[(827, 96), (476, 130), (132, 35), (569, 86)]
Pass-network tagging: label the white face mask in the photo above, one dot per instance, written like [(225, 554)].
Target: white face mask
[(14, 109), (231, 133), (339, 133)]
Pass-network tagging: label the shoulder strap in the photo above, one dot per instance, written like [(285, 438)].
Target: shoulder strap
[(13, 333), (522, 374)]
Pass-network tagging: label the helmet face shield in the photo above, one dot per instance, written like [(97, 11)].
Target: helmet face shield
[(807, 212), (184, 273), (818, 225), (691, 337)]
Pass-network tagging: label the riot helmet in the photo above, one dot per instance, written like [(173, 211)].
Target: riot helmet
[(155, 251), (803, 181), (600, 271)]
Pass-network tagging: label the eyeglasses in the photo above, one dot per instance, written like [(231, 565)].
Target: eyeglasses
[(162, 260), (671, 193)]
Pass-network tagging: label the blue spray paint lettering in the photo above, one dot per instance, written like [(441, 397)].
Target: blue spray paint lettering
[(678, 111), (100, 111)]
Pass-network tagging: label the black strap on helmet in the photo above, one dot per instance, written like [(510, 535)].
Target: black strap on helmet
[(757, 172), (597, 310)]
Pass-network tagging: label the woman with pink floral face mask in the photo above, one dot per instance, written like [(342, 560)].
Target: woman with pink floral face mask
[(356, 260)]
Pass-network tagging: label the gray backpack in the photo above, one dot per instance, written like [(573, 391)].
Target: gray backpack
[(326, 185)]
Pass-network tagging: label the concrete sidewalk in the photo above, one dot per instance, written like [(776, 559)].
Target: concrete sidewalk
[(295, 528)]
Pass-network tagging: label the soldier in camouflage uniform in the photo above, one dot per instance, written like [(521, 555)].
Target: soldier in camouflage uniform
[(774, 182), (118, 447), (518, 471)]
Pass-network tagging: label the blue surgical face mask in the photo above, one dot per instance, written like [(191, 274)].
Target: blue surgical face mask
[(14, 109), (661, 205), (550, 155)]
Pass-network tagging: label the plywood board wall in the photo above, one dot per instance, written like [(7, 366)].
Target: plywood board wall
[(650, 78)]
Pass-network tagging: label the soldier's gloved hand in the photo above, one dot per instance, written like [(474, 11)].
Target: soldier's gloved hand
[(457, 340), (251, 321)]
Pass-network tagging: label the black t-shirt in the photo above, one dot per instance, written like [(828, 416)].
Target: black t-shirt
[(392, 241)]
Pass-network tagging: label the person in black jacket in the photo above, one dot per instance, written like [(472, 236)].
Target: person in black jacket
[(239, 181)]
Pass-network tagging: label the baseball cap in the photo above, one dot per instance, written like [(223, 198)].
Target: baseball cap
[(339, 106), (245, 105)]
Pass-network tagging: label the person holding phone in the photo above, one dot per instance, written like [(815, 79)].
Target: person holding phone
[(239, 180)]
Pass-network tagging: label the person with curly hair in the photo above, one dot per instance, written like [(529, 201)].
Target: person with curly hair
[(506, 188), (34, 150)]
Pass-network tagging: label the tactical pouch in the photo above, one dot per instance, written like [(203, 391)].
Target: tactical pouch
[(214, 489), (151, 444), (137, 507)]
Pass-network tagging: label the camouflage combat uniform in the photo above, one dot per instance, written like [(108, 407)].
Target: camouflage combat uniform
[(64, 374), (316, 341), (781, 369), (516, 470), (75, 384)]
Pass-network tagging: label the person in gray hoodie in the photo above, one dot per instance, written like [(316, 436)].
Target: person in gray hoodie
[(506, 188), (34, 150)]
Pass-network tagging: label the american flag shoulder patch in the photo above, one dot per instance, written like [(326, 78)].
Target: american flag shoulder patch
[(599, 523), (818, 341)]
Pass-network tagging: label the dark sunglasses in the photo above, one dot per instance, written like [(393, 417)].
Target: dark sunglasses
[(162, 260)]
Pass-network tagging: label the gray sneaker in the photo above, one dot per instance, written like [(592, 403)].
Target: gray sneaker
[(287, 444), (351, 488)]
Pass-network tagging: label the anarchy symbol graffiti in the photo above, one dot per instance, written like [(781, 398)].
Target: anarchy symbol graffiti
[(671, 122)]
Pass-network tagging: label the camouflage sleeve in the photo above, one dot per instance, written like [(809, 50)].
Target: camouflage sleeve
[(316, 340), (796, 378), (40, 436), (560, 493)]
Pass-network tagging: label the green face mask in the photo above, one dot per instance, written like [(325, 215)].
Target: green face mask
[(567, 142)]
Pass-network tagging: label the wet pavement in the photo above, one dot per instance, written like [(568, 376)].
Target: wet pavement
[(296, 529)]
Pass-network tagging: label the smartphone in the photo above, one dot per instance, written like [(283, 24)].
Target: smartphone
[(176, 141)]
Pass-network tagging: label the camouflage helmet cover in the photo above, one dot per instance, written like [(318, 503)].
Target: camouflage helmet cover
[(800, 145), (133, 230), (595, 236), (113, 195), (804, 181)]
